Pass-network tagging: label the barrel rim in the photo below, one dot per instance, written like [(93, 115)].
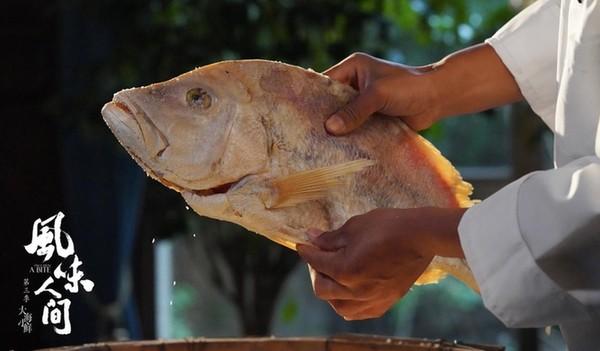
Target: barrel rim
[(324, 342)]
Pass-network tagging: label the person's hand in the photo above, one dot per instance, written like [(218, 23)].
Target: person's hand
[(366, 265), (387, 88), (471, 80)]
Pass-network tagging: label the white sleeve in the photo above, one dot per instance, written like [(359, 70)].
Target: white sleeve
[(528, 47), (534, 247)]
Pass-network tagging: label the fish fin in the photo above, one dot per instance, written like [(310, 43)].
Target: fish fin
[(440, 267), (431, 276), (309, 185), (461, 189)]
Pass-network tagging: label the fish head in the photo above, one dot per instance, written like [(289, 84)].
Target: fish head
[(195, 132)]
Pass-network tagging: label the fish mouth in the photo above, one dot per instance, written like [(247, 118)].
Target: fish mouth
[(123, 106), (122, 122), (121, 119), (132, 126), (223, 188), (219, 189)]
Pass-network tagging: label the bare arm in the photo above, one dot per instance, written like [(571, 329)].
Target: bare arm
[(470, 80)]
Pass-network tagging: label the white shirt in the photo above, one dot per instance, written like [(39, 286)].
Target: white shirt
[(534, 246)]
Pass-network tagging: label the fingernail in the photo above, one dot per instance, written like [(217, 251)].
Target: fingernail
[(314, 233), (335, 124)]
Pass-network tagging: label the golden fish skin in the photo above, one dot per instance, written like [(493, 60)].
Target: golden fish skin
[(223, 134)]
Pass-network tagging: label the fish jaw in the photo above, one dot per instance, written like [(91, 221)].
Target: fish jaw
[(122, 123), (213, 206), (121, 120), (242, 204), (219, 207)]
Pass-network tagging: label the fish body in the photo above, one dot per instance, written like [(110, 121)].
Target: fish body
[(244, 141)]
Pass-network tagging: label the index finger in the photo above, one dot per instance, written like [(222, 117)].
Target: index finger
[(344, 71)]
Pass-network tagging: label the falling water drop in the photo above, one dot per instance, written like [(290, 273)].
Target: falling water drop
[(194, 235), (187, 208), (174, 283), (153, 240)]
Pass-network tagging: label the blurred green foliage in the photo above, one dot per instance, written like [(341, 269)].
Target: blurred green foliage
[(184, 296), (131, 43), (289, 310)]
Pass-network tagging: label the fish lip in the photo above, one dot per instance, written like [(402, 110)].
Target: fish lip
[(123, 106), (135, 112), (126, 111)]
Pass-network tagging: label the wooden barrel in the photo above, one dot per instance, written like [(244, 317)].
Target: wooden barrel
[(335, 343)]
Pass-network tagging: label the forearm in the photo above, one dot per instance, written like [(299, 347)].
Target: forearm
[(432, 230), (471, 80), (443, 238)]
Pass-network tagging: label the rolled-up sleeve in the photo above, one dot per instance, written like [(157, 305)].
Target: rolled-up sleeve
[(534, 247), (528, 47)]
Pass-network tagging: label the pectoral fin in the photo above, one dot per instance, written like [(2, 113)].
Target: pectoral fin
[(309, 185)]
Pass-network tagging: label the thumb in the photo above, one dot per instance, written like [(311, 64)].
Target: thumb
[(354, 114), (328, 241)]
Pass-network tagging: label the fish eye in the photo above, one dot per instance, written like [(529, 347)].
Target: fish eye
[(198, 97)]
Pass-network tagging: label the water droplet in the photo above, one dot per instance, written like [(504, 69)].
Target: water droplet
[(187, 208), (153, 240), (194, 235), (174, 283), (171, 303)]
